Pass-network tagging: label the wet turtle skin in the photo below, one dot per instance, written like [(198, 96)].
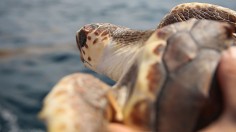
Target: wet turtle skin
[(175, 89)]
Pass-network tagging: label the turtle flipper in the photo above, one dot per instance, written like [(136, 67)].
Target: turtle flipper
[(79, 103), (196, 10)]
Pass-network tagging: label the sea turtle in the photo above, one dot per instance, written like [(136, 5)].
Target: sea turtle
[(165, 76)]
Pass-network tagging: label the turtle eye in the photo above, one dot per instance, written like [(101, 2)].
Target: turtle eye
[(82, 38)]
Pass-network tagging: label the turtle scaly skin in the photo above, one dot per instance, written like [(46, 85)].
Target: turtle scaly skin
[(196, 10)]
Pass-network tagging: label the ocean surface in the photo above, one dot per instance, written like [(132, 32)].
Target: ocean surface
[(38, 48)]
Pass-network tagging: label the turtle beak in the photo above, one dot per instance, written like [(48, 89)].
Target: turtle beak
[(81, 38), (80, 42), (81, 35), (77, 41)]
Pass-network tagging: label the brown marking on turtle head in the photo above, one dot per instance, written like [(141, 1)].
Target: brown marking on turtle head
[(89, 59), (141, 113), (89, 38), (96, 33), (159, 49), (95, 41), (104, 33), (154, 77), (86, 46)]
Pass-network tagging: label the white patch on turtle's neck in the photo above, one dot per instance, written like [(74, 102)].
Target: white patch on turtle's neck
[(117, 59)]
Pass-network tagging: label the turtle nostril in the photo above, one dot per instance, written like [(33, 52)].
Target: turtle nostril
[(82, 38)]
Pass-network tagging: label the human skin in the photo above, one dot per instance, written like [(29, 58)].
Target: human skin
[(226, 74), (227, 78)]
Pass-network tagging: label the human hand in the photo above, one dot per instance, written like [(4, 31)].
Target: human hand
[(227, 78)]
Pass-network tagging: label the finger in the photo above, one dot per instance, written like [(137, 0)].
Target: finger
[(227, 77)]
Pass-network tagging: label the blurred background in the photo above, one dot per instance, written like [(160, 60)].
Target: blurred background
[(37, 47)]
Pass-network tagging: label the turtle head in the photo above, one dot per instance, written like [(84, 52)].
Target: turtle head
[(92, 40), (107, 49)]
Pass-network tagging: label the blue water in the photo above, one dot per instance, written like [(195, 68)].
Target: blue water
[(38, 38)]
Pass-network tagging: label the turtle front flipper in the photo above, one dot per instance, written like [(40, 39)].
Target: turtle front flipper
[(174, 90), (79, 103), (196, 10)]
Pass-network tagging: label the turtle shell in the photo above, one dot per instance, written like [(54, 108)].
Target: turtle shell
[(190, 96), (175, 88)]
